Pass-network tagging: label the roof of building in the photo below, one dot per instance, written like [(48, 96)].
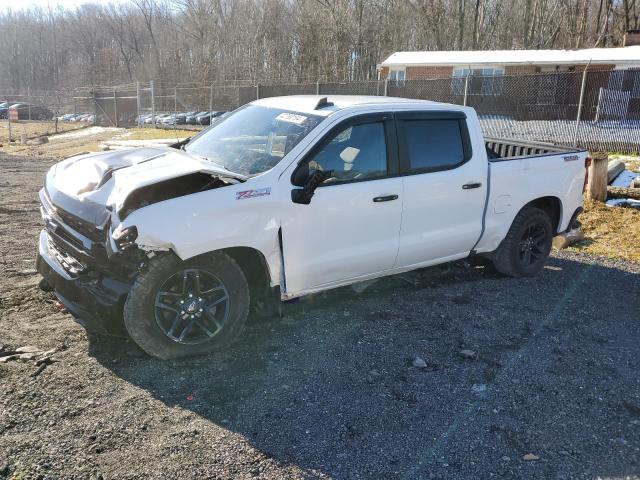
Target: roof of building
[(628, 56)]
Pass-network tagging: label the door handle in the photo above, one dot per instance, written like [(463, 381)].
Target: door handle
[(469, 186), (385, 198)]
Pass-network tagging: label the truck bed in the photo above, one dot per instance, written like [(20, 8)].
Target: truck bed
[(499, 149)]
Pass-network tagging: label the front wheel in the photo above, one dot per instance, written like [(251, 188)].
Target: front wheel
[(177, 309), (527, 245)]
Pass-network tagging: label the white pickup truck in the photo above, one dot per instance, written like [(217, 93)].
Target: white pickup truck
[(288, 196)]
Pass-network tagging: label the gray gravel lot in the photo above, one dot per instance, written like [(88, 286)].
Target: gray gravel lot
[(331, 390)]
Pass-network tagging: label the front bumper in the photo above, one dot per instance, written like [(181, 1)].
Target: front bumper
[(94, 299)]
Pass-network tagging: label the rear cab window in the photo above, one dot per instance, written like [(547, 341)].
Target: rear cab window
[(432, 141)]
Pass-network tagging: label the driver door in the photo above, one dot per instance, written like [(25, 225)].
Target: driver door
[(350, 229)]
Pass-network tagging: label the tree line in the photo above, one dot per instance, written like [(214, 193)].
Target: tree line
[(279, 41)]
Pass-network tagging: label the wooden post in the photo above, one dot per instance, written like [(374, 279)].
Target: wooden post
[(619, 192), (466, 89), (139, 124), (115, 106), (580, 102), (153, 106), (597, 181), (9, 120)]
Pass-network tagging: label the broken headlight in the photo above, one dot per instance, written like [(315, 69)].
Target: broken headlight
[(124, 237)]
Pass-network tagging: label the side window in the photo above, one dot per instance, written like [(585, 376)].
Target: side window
[(356, 152), (433, 144)]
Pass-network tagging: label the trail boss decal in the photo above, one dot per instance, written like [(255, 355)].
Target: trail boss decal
[(259, 192)]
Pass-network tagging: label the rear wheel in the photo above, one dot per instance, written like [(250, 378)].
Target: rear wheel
[(177, 309), (526, 247)]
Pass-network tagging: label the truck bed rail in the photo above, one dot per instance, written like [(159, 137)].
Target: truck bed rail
[(504, 149)]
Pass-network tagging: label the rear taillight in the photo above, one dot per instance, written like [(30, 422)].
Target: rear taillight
[(587, 164)]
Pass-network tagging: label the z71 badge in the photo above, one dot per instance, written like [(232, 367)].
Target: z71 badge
[(259, 192)]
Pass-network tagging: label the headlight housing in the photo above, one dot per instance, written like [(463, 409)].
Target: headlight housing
[(124, 237)]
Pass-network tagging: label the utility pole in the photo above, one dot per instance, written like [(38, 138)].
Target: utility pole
[(582, 89), (138, 103), (9, 119), (153, 105), (466, 89), (115, 106)]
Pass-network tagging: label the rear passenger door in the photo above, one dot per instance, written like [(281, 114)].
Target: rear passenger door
[(444, 185)]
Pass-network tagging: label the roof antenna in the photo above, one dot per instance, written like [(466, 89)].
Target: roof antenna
[(323, 102)]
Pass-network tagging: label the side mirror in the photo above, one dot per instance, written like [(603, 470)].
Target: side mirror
[(303, 195), (301, 176), (298, 195)]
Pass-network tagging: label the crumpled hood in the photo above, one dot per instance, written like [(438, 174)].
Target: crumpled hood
[(83, 173), (98, 180)]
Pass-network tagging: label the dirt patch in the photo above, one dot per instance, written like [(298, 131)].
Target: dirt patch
[(34, 129), (88, 140), (150, 133), (333, 389), (609, 231)]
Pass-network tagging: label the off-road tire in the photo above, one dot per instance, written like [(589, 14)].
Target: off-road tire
[(507, 257), (139, 315)]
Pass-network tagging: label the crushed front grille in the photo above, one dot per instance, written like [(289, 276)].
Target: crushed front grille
[(69, 263)]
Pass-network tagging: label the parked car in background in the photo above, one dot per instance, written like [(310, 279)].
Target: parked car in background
[(160, 118), (141, 118), (205, 118), (175, 119), (78, 117), (192, 118), (29, 111), (4, 107)]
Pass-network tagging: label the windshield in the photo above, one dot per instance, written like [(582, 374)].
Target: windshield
[(253, 139)]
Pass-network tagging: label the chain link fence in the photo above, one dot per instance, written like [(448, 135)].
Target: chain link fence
[(597, 110), (27, 117)]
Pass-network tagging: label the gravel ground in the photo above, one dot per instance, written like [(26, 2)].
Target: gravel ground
[(344, 385)]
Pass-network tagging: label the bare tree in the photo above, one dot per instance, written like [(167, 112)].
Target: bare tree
[(285, 41)]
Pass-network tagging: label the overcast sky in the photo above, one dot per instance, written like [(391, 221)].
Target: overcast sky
[(6, 5)]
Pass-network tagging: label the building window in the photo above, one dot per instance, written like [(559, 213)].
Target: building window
[(482, 81), (616, 78), (635, 90), (397, 75), (625, 81)]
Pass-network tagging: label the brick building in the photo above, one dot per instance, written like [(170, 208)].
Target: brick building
[(513, 81), (402, 66)]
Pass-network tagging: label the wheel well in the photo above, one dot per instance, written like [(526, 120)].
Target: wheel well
[(552, 206), (253, 264)]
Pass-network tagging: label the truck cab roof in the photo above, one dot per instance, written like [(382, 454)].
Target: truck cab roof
[(325, 105)]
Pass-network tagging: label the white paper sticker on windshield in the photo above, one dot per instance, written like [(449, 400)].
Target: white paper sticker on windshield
[(291, 118)]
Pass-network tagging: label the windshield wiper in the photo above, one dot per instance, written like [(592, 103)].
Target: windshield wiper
[(181, 144)]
